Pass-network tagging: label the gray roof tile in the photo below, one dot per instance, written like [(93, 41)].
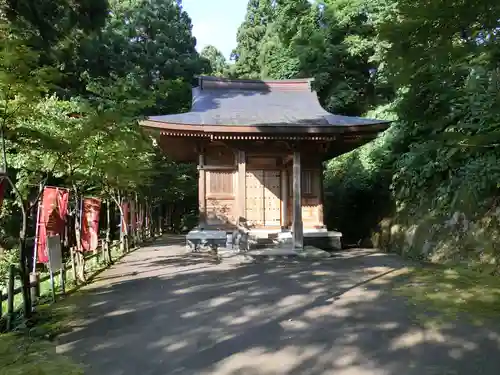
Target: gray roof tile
[(267, 106)]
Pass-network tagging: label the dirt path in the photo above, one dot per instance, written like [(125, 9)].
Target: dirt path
[(161, 312)]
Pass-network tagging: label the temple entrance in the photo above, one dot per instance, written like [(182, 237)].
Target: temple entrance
[(263, 197)]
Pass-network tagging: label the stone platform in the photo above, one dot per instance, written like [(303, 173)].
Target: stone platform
[(265, 238), (309, 252)]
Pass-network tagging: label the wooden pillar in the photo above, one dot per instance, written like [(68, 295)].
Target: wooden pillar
[(202, 201), (298, 228), (242, 173), (321, 218), (284, 198)]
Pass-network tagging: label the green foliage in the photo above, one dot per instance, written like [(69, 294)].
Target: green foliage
[(9, 225), (54, 30), (249, 37), (335, 42), (439, 84), (21, 355), (439, 161), (146, 46), (218, 63), (70, 118), (357, 185), (7, 257)]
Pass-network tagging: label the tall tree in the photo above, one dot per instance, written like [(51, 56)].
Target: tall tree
[(218, 63), (249, 37), (334, 42), (34, 37), (149, 45), (55, 29), (277, 59)]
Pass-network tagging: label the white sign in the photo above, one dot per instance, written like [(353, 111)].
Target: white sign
[(55, 253)]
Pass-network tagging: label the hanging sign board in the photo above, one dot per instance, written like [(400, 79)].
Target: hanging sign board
[(55, 253)]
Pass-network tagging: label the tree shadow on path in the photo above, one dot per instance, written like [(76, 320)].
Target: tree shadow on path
[(156, 313)]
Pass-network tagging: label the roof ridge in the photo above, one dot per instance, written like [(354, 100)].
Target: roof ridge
[(297, 84)]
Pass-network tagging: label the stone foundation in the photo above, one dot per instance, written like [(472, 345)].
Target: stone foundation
[(318, 238)]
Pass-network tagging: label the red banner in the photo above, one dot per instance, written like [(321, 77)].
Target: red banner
[(52, 212), (125, 221), (2, 190), (90, 223)]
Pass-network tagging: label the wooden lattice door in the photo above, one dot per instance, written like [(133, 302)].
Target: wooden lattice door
[(272, 201), (263, 203)]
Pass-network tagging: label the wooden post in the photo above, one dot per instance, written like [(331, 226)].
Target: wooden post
[(34, 287), (148, 219), (284, 198), (242, 174), (10, 296), (95, 254), (321, 217), (298, 229), (159, 228), (202, 202), (102, 254), (133, 221), (108, 231), (73, 265), (62, 279)]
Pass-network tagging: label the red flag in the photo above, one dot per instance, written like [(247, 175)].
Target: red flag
[(90, 223), (52, 212), (125, 209)]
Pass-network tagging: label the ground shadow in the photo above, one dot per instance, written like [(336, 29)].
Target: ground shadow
[(155, 315)]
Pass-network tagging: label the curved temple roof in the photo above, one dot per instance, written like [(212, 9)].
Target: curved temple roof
[(287, 103)]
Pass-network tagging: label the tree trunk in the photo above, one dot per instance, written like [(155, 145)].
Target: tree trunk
[(160, 219), (23, 254), (152, 224), (141, 228), (124, 247), (80, 259), (23, 266), (148, 220)]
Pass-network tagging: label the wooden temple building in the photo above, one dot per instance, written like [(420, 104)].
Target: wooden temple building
[(260, 148)]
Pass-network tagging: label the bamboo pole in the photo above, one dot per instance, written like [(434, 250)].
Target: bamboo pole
[(35, 251)]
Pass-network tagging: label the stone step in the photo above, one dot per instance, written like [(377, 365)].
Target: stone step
[(260, 243)]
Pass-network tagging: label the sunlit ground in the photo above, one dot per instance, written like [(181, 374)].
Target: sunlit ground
[(444, 294)]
